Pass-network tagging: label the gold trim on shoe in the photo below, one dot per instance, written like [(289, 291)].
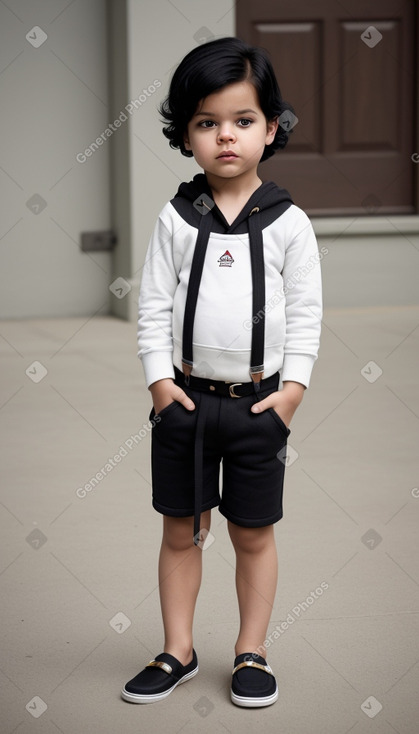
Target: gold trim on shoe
[(253, 664), (160, 664)]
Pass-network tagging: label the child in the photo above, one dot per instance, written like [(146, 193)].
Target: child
[(230, 298)]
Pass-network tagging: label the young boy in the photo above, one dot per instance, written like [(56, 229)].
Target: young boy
[(230, 298)]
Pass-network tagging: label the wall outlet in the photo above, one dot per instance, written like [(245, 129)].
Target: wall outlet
[(96, 241)]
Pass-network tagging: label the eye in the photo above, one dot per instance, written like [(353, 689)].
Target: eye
[(245, 122), (206, 123)]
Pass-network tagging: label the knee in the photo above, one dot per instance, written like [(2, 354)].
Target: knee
[(251, 540), (177, 533)]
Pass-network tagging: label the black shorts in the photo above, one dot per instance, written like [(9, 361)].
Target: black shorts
[(251, 447)]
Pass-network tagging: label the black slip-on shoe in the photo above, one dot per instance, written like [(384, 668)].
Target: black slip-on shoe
[(158, 679), (253, 682)]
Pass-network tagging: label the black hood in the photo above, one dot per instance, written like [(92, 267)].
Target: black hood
[(190, 199)]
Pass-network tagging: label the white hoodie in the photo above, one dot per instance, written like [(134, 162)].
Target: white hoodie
[(223, 319)]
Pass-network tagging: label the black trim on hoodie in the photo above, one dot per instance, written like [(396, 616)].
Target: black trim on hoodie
[(271, 200)]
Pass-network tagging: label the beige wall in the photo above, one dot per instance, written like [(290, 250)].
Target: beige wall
[(54, 98), (371, 261)]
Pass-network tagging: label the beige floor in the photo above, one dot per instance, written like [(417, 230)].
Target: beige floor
[(79, 598)]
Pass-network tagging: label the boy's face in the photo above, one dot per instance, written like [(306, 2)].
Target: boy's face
[(229, 121)]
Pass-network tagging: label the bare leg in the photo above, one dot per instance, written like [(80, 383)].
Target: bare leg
[(256, 579), (180, 572)]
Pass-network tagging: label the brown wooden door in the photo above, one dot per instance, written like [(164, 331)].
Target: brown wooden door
[(348, 68)]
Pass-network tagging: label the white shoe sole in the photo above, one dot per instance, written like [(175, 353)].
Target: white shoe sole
[(253, 702), (154, 697)]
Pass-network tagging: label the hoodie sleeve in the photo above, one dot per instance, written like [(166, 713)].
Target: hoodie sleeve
[(303, 298), (158, 285)]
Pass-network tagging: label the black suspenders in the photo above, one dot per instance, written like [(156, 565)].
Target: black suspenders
[(258, 333), (258, 300)]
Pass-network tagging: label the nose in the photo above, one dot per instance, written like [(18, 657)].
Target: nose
[(226, 133)]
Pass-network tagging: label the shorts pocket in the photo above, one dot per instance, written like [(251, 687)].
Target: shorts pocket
[(165, 411), (278, 420)]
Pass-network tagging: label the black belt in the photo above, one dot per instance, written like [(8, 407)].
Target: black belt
[(226, 389)]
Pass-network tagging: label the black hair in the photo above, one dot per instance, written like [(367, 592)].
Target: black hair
[(208, 68)]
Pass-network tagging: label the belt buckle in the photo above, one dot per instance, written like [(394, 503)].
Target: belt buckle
[(231, 390)]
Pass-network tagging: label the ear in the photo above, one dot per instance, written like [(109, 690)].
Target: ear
[(186, 142), (271, 128)]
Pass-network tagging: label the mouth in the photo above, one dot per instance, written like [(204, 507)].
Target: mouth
[(227, 155)]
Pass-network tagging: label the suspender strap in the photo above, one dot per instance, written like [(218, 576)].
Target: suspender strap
[(199, 466), (192, 294), (258, 301)]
